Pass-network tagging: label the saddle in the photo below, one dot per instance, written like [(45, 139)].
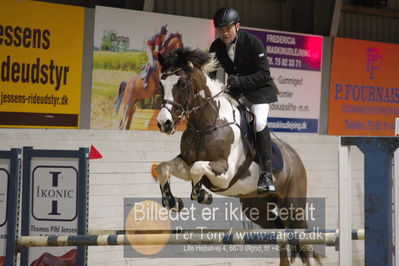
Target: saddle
[(248, 132)]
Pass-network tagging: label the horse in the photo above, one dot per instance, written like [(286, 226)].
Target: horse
[(212, 149), (132, 91)]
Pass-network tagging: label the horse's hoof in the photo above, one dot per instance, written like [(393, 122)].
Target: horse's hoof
[(193, 196), (208, 198), (205, 197), (172, 203), (165, 203), (179, 205)]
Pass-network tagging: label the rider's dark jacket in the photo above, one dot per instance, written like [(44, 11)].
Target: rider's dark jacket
[(250, 63)]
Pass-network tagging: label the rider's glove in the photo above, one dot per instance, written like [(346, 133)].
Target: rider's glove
[(235, 83)]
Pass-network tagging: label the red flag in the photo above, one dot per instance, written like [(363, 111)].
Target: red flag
[(94, 154)]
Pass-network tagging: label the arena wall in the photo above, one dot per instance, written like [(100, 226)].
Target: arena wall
[(124, 171)]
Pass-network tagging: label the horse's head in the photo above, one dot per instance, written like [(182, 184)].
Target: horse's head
[(182, 80)]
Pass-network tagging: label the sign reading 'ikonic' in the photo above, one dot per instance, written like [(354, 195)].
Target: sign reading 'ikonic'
[(54, 193)]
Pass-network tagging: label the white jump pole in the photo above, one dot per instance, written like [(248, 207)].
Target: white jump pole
[(345, 206)]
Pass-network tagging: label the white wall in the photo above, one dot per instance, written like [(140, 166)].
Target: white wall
[(125, 172)]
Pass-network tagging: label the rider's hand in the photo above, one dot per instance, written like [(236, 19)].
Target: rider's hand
[(235, 82)]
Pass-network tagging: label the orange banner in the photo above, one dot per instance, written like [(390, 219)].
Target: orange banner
[(364, 88)]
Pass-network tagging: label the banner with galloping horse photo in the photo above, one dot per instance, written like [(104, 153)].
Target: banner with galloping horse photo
[(125, 82)]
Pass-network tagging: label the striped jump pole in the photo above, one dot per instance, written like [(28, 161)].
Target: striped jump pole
[(249, 237), (357, 234)]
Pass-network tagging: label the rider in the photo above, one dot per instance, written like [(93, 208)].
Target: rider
[(154, 47), (242, 56)]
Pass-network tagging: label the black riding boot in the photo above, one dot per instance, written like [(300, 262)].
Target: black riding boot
[(264, 151)]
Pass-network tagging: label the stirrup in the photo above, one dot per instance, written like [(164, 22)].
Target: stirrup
[(267, 188), (265, 184)]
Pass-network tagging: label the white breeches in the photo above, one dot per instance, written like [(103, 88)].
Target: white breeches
[(261, 112)]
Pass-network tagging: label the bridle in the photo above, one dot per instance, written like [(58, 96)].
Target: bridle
[(185, 111), (180, 107), (183, 108)]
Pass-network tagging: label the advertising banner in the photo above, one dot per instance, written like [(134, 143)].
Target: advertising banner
[(295, 65), (364, 88), (40, 64), (54, 202), (125, 90)]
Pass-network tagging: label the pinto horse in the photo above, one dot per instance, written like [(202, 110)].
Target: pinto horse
[(133, 90), (212, 149)]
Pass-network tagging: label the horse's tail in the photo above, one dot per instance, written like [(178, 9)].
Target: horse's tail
[(121, 92)]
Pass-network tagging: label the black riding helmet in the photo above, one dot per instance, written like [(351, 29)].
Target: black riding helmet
[(225, 16)]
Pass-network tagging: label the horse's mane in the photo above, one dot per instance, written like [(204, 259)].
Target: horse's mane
[(198, 58)]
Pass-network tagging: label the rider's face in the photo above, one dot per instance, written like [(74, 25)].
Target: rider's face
[(228, 33)]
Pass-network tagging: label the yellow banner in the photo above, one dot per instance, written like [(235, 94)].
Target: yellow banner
[(40, 64)]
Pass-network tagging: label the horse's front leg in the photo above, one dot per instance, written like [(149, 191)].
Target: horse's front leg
[(216, 171), (178, 168)]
